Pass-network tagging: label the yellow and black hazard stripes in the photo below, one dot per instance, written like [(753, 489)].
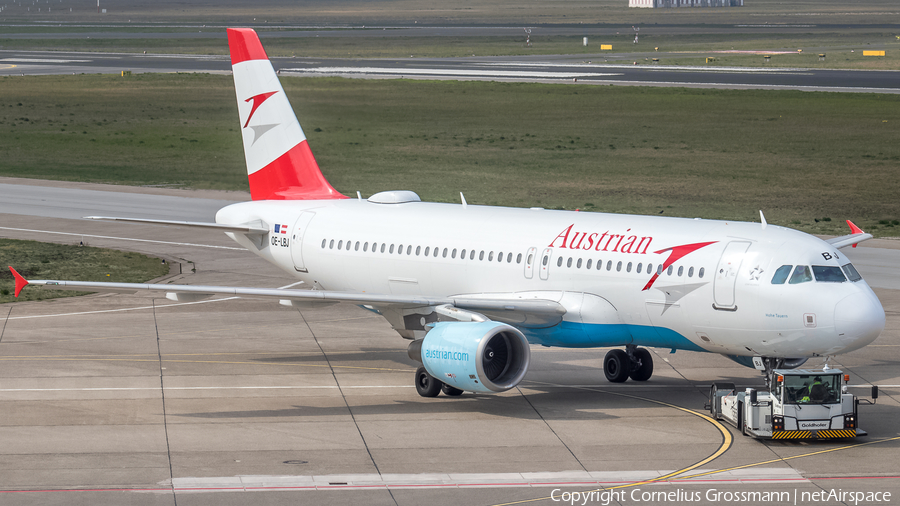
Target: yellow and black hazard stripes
[(810, 434)]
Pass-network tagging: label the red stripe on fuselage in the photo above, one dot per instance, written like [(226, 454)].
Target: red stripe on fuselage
[(244, 44), (294, 175)]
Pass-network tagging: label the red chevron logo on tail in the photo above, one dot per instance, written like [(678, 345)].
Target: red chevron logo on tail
[(257, 101)]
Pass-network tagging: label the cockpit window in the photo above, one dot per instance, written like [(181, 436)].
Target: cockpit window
[(801, 275), (851, 272), (781, 274), (828, 274)]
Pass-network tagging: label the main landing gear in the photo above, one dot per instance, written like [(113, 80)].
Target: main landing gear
[(429, 386), (633, 362)]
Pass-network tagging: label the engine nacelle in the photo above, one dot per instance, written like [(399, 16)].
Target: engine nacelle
[(474, 356)]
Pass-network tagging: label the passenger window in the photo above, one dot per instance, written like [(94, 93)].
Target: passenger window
[(649, 268), (418, 250), (391, 249), (400, 250), (427, 250), (356, 248), (462, 256), (445, 253), (519, 258), (365, 246), (691, 272), (500, 256), (578, 264), (559, 262), (323, 243), (472, 255), (543, 261), (828, 274), (781, 274), (659, 270), (509, 258), (609, 265), (801, 275), (382, 247), (588, 264), (639, 268), (409, 249), (700, 272), (619, 267), (340, 244), (680, 270), (453, 253), (599, 264), (628, 267), (851, 272), (491, 256), (568, 262), (481, 256), (669, 270)]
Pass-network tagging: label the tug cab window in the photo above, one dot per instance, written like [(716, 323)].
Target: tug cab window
[(801, 275), (828, 274), (811, 389)]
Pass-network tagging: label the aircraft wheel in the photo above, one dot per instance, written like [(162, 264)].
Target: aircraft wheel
[(426, 384), (451, 391), (616, 366), (645, 370)]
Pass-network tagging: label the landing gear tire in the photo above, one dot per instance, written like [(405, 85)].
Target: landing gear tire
[(616, 366), (451, 391), (426, 384), (643, 371)]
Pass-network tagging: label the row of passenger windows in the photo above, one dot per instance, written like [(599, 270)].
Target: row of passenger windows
[(822, 273), (428, 250), (640, 267)]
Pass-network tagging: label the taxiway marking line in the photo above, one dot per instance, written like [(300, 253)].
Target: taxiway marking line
[(446, 72), (123, 238), (727, 439), (789, 458), (220, 362), (138, 389)]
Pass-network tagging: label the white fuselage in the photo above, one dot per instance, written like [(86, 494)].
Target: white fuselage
[(716, 296)]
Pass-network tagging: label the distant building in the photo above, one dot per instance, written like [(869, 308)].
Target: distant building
[(659, 4)]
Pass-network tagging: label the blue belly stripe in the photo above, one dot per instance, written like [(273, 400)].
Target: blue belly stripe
[(592, 335)]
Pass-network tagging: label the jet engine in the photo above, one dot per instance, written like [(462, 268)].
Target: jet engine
[(474, 356)]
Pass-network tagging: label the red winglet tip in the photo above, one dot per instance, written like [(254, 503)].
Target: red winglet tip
[(854, 229), (20, 281)]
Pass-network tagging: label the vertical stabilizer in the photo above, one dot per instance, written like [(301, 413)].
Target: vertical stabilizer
[(280, 165)]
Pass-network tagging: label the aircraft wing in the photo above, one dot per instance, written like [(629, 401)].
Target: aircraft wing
[(852, 239), (545, 309)]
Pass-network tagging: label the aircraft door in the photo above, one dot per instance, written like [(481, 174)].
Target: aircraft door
[(529, 262), (726, 275), (545, 263), (297, 234)]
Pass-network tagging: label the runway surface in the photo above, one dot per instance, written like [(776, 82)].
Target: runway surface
[(584, 69), (112, 399)]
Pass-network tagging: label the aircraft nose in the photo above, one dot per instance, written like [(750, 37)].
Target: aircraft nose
[(858, 320)]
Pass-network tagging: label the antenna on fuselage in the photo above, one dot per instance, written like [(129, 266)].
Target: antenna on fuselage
[(762, 219), (463, 198)]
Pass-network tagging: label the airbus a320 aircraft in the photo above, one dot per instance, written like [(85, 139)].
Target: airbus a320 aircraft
[(473, 286)]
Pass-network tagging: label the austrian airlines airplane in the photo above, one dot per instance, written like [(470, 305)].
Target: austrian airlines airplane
[(472, 286)]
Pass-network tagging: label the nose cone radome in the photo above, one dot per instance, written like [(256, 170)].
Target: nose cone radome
[(858, 320)]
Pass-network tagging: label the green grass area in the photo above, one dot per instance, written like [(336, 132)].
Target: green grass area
[(452, 12), (809, 160), (38, 260)]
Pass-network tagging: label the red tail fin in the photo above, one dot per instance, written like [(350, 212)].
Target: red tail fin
[(280, 165)]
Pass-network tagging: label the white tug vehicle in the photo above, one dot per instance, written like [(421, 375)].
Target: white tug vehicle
[(799, 404)]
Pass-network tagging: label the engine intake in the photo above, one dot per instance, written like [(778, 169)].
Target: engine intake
[(474, 356)]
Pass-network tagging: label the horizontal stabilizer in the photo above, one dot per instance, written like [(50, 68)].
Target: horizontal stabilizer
[(258, 228)]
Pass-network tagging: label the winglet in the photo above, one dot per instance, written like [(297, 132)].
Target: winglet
[(854, 229), (20, 281)]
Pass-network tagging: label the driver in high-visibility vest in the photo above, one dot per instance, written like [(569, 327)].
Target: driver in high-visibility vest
[(816, 381)]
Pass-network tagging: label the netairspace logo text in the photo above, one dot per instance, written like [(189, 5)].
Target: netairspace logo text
[(795, 497)]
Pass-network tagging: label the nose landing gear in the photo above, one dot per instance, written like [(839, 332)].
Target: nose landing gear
[(633, 362)]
